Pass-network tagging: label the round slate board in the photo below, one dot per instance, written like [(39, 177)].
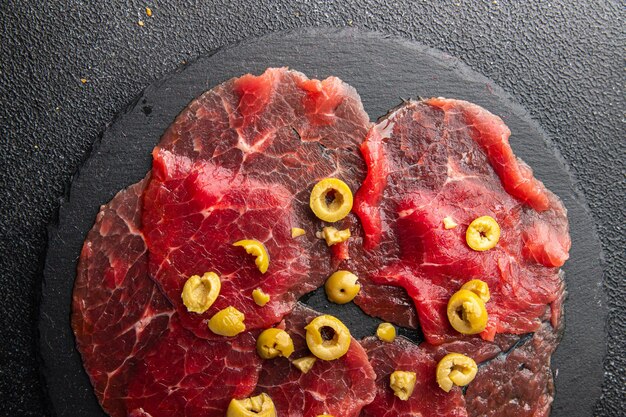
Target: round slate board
[(383, 70)]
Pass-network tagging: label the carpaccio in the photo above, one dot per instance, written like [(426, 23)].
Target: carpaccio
[(448, 158), (239, 163)]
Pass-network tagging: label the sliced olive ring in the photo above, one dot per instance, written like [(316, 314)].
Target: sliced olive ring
[(455, 369), (273, 343), (259, 406), (327, 348), (256, 249), (467, 313), (331, 200), (483, 233), (341, 287)]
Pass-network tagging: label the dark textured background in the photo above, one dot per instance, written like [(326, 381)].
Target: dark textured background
[(562, 60), (360, 58)]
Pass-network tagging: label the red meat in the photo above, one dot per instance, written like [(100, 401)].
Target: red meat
[(194, 212), (118, 313), (388, 302), (135, 351), (186, 376), (397, 308), (444, 158), (514, 376), (239, 163), (427, 398), (340, 387), (279, 127), (519, 383)]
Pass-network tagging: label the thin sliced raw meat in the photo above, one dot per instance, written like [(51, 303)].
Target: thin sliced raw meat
[(387, 302), (519, 383), (492, 135), (427, 398), (431, 160), (197, 211), (118, 313), (478, 349), (279, 127), (239, 163), (186, 376), (138, 356), (268, 139), (340, 387), (514, 376)]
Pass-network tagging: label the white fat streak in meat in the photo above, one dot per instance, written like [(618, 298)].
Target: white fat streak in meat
[(455, 175), (139, 327), (242, 144), (452, 176), (405, 213), (385, 132), (433, 264), (113, 261), (197, 143), (206, 213), (247, 149)]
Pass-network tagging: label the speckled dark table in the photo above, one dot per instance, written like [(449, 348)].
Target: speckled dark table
[(562, 60)]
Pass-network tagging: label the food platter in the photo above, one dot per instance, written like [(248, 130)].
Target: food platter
[(384, 71)]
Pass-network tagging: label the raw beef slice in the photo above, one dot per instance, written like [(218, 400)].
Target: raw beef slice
[(427, 398), (197, 211), (117, 311), (518, 383), (513, 379), (448, 158), (340, 387), (398, 307), (239, 163), (186, 376), (140, 360)]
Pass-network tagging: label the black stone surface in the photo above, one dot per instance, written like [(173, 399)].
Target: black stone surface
[(562, 60)]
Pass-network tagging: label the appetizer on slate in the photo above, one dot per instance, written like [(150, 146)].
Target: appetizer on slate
[(268, 187)]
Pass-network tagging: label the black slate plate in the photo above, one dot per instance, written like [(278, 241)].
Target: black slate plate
[(382, 70)]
